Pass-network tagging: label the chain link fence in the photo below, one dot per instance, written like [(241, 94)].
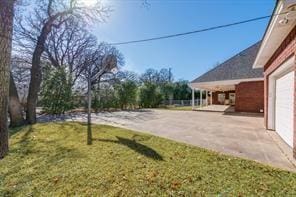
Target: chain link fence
[(183, 102)]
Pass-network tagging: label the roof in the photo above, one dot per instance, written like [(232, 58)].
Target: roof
[(237, 67)]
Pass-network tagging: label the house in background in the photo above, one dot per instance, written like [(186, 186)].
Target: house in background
[(234, 83), (277, 56)]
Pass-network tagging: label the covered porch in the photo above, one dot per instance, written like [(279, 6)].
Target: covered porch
[(214, 96)]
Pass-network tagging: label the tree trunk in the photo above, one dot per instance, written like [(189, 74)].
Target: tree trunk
[(6, 26), (34, 86), (15, 107), (36, 74), (89, 132)]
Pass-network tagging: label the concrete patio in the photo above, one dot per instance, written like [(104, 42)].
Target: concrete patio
[(215, 108), (240, 135)]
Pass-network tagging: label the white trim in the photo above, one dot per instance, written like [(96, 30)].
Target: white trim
[(267, 35), (225, 82), (275, 34), (285, 68)]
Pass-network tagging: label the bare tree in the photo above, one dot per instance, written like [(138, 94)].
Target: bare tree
[(66, 47), (150, 76), (6, 27), (33, 31)]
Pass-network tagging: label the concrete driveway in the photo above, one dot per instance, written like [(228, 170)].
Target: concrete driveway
[(235, 134)]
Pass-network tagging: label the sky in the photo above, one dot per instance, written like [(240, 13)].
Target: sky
[(188, 56)]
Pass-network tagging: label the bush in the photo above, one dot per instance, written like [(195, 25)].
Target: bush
[(150, 96), (104, 99), (126, 93), (56, 94)]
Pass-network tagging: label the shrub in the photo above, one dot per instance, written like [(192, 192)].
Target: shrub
[(150, 96), (126, 93), (56, 94)]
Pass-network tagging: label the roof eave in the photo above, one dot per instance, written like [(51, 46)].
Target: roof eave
[(274, 35), (211, 84)]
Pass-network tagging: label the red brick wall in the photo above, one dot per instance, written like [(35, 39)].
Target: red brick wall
[(249, 96), (215, 97), (284, 52)]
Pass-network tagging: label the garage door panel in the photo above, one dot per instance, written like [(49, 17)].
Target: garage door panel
[(284, 120)]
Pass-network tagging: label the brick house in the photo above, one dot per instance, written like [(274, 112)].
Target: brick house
[(234, 82), (277, 57)]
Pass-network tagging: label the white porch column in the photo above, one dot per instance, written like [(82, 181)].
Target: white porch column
[(211, 102), (193, 98), (207, 98), (200, 97)]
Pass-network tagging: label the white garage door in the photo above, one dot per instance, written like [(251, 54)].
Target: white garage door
[(284, 104)]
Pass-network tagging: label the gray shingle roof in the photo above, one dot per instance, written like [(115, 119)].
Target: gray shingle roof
[(237, 67)]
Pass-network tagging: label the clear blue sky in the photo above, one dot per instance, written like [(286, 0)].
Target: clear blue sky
[(191, 55)]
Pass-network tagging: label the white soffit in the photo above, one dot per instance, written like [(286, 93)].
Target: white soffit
[(217, 85), (276, 33)]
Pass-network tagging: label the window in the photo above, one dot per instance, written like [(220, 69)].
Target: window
[(221, 98), (232, 98)]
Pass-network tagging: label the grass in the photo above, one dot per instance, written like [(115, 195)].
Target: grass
[(53, 160)]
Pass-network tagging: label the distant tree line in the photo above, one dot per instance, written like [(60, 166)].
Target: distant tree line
[(117, 90)]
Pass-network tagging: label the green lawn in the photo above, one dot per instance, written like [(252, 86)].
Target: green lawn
[(53, 160)]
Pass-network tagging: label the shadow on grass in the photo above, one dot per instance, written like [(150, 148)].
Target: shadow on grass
[(27, 134), (137, 147), (42, 154), (15, 130)]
